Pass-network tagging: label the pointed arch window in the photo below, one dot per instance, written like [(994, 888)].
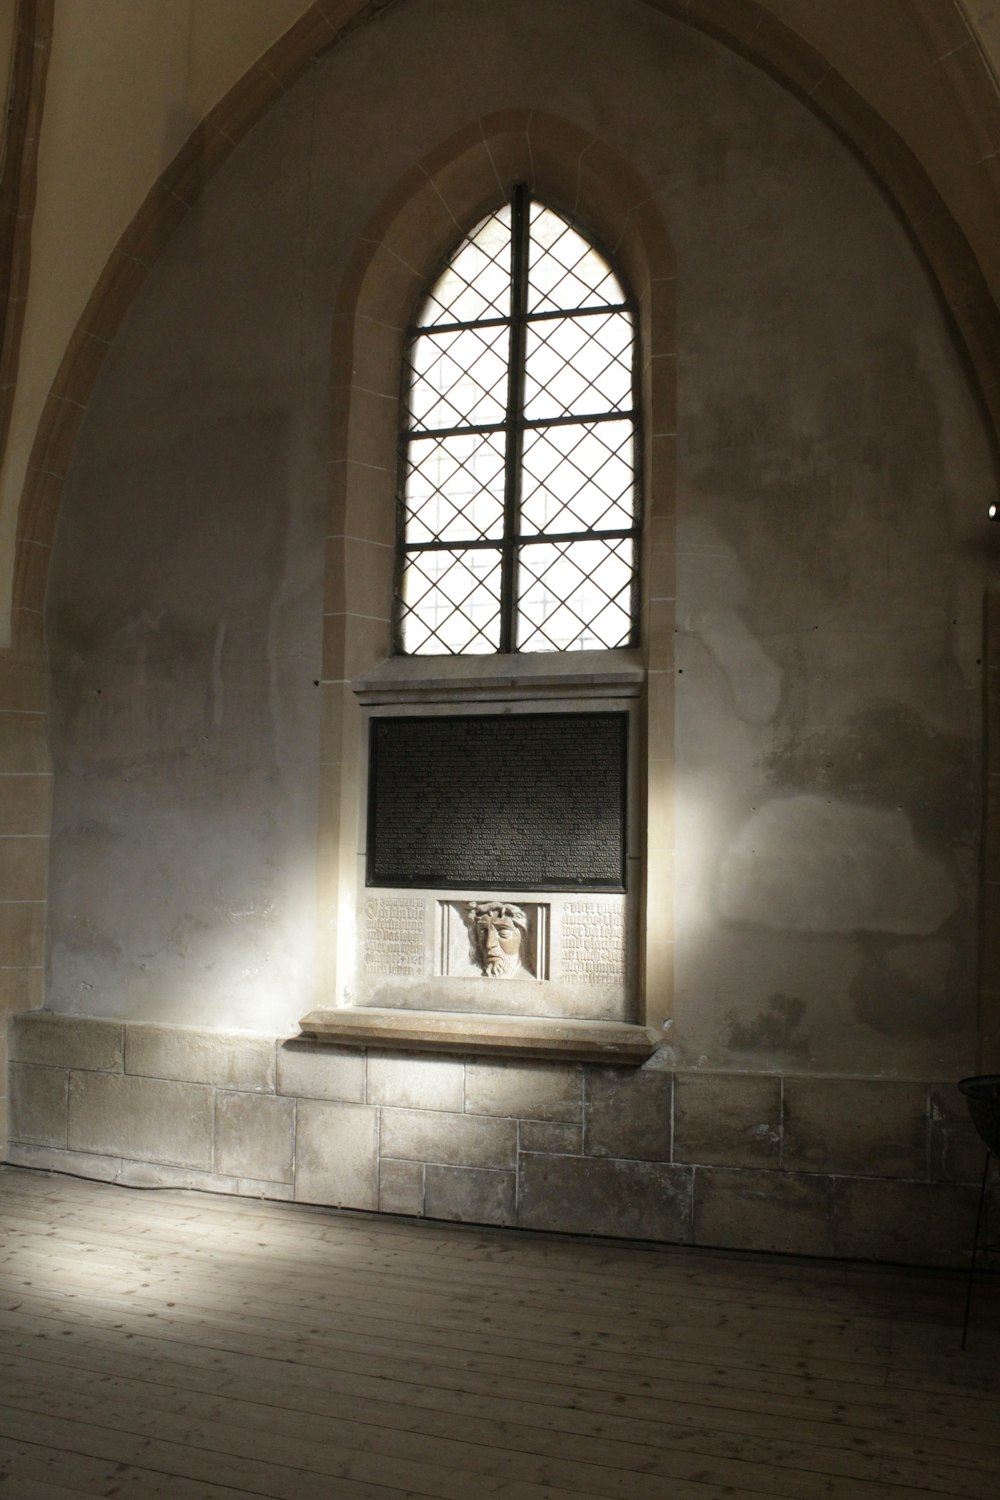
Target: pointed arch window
[(519, 510)]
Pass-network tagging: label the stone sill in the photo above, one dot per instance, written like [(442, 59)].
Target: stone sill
[(612, 1043), (559, 674)]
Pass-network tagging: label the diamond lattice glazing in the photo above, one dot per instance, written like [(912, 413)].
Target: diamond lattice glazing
[(459, 379), (565, 272), (451, 602), (577, 478), (578, 366), (454, 488), (476, 282), (549, 484), (575, 596)]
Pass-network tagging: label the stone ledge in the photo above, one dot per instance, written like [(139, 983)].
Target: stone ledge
[(614, 1043), (502, 675)]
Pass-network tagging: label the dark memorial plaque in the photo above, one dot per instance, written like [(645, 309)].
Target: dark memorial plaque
[(498, 802)]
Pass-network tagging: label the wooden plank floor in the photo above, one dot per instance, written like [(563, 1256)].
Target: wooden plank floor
[(192, 1347)]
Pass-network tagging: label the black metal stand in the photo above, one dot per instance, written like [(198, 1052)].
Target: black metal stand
[(975, 1244)]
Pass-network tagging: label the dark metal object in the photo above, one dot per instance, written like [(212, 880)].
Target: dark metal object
[(511, 802), (529, 424), (982, 1095), (520, 229)]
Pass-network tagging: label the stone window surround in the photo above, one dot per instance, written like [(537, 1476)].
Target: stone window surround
[(419, 222)]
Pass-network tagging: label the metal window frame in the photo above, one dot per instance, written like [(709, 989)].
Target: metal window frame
[(515, 425)]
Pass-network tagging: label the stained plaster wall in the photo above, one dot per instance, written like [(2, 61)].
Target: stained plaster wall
[(831, 475)]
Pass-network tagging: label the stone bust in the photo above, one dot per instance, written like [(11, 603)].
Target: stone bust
[(498, 929)]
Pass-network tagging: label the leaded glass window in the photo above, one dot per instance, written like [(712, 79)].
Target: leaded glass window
[(518, 501)]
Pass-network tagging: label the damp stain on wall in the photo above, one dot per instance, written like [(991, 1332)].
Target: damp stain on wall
[(807, 863), (908, 990), (887, 756), (774, 1031)]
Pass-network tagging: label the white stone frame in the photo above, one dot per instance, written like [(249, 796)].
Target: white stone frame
[(550, 997)]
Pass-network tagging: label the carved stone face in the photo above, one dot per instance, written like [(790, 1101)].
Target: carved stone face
[(498, 934)]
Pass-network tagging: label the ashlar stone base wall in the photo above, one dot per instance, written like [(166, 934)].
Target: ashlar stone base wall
[(849, 1167)]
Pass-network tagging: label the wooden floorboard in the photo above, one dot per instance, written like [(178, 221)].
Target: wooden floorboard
[(199, 1347)]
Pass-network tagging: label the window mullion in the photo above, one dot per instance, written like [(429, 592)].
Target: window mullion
[(520, 229)]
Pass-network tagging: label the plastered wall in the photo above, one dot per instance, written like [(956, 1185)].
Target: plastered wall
[(160, 65), (830, 484)]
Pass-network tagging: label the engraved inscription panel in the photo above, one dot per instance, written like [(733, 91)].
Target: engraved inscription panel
[(498, 801), (593, 943), (394, 936)]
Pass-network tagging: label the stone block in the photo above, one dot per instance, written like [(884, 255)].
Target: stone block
[(37, 1105), (252, 1187), (23, 743), (23, 869), (857, 1126), (75, 1163), (410, 1082), (25, 803), (144, 1119), (727, 1119), (400, 1187), (450, 1140), (584, 1195), (628, 1114), (67, 1042), (763, 1211), (150, 1174), (20, 989), (335, 1154), (552, 1136), (254, 1136), (229, 1060), (22, 933), (470, 1195), (528, 1091), (312, 1072), (956, 1152), (916, 1223)]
